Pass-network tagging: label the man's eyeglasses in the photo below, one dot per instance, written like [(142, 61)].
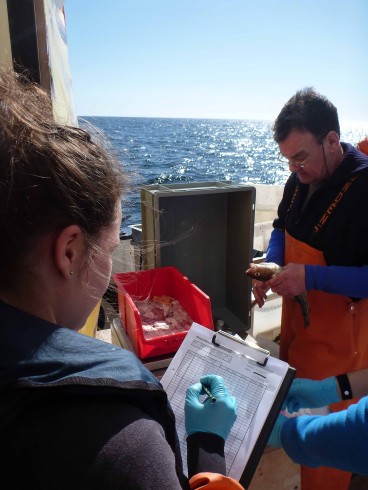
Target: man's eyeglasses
[(293, 163)]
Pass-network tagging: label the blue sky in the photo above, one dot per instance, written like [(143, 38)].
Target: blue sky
[(238, 59)]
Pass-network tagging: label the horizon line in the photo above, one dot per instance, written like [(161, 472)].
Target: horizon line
[(258, 119)]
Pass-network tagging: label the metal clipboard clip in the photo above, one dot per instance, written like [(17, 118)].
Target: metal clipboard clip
[(241, 347)]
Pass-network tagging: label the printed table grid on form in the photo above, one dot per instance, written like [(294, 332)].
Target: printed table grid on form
[(247, 389)]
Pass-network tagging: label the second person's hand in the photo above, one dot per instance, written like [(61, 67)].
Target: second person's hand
[(306, 393)]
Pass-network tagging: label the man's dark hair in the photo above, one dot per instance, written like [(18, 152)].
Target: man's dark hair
[(308, 111)]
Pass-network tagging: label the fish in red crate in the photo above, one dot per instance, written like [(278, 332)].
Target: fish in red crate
[(162, 315)]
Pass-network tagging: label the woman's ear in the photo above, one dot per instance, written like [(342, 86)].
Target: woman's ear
[(69, 248)]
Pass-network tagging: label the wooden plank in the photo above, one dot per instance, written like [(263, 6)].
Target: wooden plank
[(276, 471)]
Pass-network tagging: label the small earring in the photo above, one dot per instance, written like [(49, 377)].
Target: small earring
[(71, 273)]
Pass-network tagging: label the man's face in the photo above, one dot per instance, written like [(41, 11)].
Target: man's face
[(305, 156)]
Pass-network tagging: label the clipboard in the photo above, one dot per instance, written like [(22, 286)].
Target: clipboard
[(250, 350), (265, 433), (259, 382)]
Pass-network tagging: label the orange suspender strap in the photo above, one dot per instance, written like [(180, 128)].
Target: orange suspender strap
[(324, 218), (213, 481)]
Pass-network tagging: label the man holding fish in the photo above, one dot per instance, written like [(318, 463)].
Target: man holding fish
[(319, 251)]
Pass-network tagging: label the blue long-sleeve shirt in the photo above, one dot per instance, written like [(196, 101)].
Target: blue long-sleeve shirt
[(337, 440)]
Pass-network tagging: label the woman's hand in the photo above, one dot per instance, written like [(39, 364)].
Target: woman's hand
[(215, 417)]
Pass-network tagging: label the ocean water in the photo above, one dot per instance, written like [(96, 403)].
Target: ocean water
[(164, 151)]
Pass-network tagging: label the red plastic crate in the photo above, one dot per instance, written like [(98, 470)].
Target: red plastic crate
[(157, 282)]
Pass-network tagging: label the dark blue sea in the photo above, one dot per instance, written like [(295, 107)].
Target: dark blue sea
[(164, 151)]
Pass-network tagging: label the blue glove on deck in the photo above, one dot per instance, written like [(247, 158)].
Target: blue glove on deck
[(306, 393), (216, 418)]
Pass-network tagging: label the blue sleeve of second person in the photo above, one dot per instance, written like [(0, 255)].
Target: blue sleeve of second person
[(335, 279), (337, 440), (276, 247)]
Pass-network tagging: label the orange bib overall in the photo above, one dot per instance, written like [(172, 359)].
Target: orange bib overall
[(335, 342)]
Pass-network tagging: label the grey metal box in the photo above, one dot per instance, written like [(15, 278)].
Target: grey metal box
[(205, 229)]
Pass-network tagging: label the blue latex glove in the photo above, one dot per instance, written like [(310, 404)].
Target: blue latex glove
[(275, 437), (306, 393), (216, 418)]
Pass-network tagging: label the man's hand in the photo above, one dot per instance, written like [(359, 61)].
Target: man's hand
[(290, 282), (260, 292)]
